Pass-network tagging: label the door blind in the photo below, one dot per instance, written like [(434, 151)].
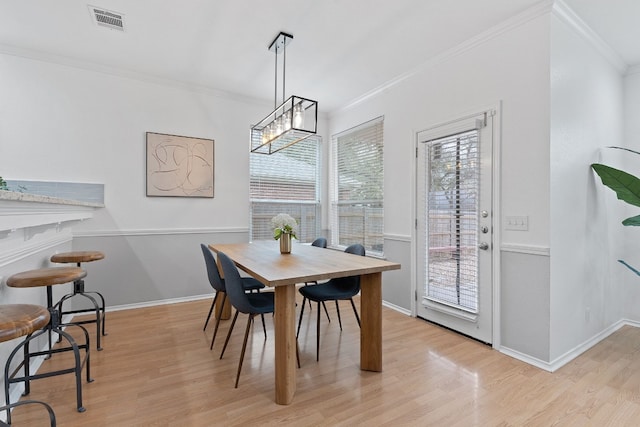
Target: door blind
[(453, 177)]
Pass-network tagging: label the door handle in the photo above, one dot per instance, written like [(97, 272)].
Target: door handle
[(484, 246)]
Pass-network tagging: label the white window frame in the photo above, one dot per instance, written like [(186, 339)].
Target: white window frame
[(279, 184), (367, 213)]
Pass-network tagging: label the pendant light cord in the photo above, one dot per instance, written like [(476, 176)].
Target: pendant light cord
[(284, 69)]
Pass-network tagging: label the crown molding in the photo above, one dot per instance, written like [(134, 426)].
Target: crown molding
[(134, 75), (633, 69), (539, 9), (562, 11), (125, 73)]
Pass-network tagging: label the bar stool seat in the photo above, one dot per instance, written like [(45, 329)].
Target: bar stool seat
[(18, 320), (49, 277), (78, 257)]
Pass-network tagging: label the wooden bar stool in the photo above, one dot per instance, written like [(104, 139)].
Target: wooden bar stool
[(78, 289), (49, 277), (18, 320)]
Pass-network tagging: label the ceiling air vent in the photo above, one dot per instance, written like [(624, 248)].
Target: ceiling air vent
[(107, 18)]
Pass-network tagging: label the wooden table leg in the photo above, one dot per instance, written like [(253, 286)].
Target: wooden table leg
[(285, 345), (371, 318), (223, 312)]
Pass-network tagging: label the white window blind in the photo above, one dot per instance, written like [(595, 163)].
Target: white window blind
[(357, 187), (286, 182)]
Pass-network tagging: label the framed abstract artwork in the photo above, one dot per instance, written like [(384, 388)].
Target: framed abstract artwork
[(179, 166)]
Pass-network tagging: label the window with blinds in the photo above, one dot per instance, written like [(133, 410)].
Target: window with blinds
[(357, 187), (452, 222), (286, 182)]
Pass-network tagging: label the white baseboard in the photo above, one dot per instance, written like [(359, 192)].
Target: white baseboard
[(158, 302), (525, 358), (567, 357), (209, 296), (396, 308)]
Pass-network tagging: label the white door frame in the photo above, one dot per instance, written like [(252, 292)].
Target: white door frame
[(496, 220)]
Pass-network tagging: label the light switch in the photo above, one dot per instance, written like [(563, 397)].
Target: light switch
[(517, 223)]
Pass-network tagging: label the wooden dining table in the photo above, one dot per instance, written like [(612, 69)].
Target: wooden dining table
[(305, 263)]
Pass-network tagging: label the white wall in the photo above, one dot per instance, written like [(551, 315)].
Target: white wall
[(63, 123), (630, 251), (586, 115), (512, 67), (67, 124)]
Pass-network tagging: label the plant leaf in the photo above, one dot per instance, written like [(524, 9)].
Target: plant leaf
[(626, 186), (634, 220), (625, 149), (629, 267)]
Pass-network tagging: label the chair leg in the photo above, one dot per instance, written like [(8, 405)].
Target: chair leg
[(244, 347), (325, 311), (215, 330), (304, 301), (233, 322), (355, 311), (264, 328), (318, 335), (213, 304), (338, 310)]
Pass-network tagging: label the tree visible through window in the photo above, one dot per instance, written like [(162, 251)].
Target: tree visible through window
[(357, 190), (286, 182)]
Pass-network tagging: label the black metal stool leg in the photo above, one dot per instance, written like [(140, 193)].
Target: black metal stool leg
[(78, 290), (86, 346), (102, 307), (8, 407), (78, 369), (8, 377)]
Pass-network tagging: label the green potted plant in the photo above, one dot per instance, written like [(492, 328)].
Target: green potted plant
[(626, 187), (3, 184)]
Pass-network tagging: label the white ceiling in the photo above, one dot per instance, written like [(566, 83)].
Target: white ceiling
[(341, 50)]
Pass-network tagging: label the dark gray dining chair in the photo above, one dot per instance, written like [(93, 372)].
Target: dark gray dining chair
[(218, 284), (249, 303), (320, 242), (341, 288)]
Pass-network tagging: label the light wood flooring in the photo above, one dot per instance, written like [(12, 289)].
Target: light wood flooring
[(156, 370)]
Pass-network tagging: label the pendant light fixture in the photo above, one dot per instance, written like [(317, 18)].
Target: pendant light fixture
[(292, 121)]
